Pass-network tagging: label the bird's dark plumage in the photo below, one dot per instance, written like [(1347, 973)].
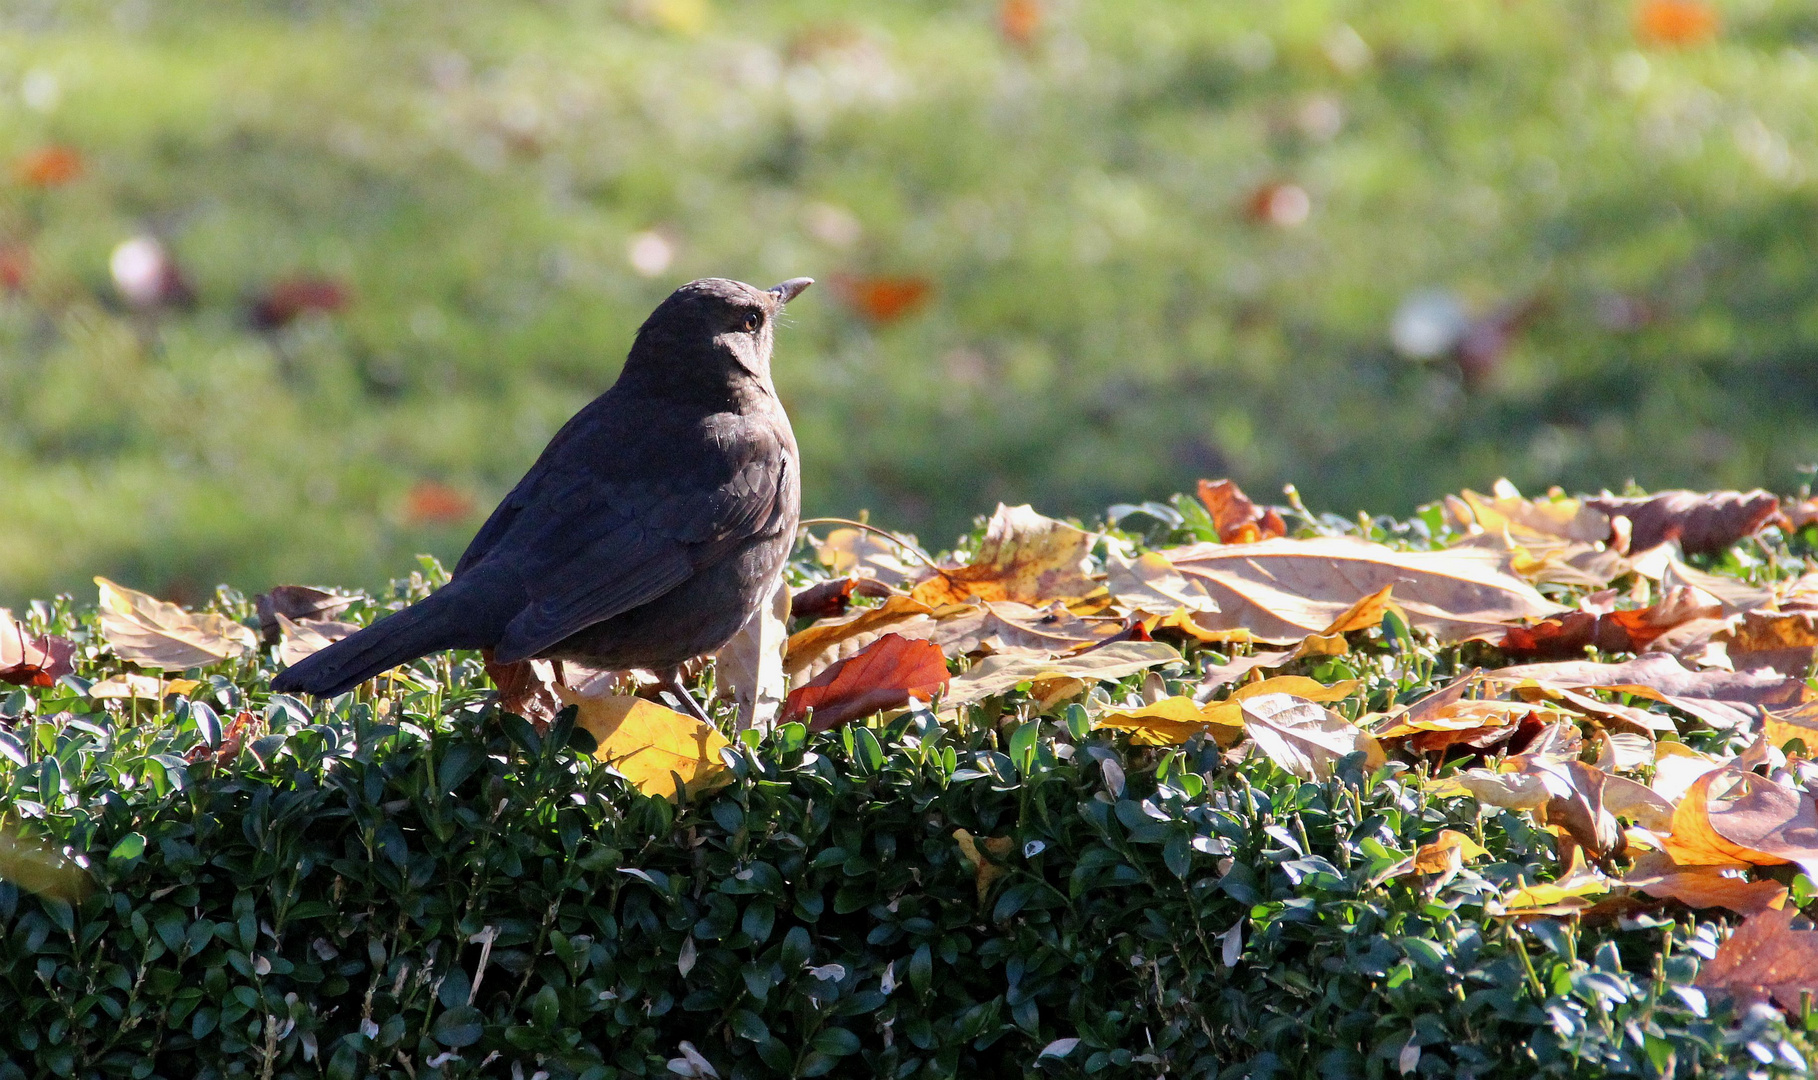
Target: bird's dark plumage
[(652, 526)]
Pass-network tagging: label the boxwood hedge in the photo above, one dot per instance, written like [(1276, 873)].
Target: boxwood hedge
[(413, 884)]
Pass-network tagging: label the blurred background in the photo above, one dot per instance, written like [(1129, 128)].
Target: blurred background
[(291, 290)]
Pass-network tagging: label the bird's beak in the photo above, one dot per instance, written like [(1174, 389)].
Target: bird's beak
[(790, 289)]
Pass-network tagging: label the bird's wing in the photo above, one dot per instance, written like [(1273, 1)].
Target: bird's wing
[(588, 548)]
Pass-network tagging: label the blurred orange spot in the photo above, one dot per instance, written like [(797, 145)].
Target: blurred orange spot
[(1675, 22), (1020, 20), (15, 267), (49, 167), (882, 299), (430, 503)]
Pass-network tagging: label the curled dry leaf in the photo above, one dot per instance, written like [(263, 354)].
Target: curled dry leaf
[(1011, 627), (1730, 815), (526, 688), (1765, 958), (1149, 584), (1703, 523), (302, 639), (1237, 519), (1024, 557), (830, 599), (1285, 590), (886, 675), (151, 633), (1632, 630), (995, 674), (1721, 699), (34, 661), (651, 745), (298, 603), (1566, 896), (1305, 738), (1504, 510), (142, 687)]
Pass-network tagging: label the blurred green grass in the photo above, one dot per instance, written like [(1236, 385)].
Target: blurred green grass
[(1109, 317)]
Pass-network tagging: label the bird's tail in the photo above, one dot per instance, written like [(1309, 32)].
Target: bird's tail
[(427, 626)]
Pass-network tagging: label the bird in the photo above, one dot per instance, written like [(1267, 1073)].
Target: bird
[(648, 531)]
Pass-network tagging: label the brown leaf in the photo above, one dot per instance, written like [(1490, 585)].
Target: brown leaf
[(1024, 557), (1703, 522), (1284, 590), (1702, 887), (1506, 510), (1445, 853), (824, 600), (1765, 958), (1631, 630), (995, 674), (287, 299), (38, 661), (298, 603), (526, 688), (303, 639), (146, 631), (892, 670), (862, 552), (1722, 699), (807, 646), (1237, 519), (1730, 815), (1151, 585)]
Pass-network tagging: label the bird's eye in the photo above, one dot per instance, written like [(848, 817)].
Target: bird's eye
[(752, 321)]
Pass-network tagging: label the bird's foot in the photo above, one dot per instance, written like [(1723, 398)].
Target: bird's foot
[(669, 682)]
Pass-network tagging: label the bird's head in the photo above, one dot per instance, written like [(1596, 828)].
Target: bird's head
[(713, 329)]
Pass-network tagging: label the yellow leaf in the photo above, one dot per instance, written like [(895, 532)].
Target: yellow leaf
[(1446, 852), (647, 742), (1362, 615), (147, 631), (1172, 721), (1569, 891), (987, 865), (144, 687), (1024, 557)]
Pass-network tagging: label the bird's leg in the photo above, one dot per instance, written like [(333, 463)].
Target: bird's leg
[(669, 680)]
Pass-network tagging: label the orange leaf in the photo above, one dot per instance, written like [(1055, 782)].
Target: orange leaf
[(1675, 22), (1024, 557), (1020, 20), (1449, 850), (891, 670), (1237, 519), (881, 299), (1730, 815), (1704, 886), (1765, 958)]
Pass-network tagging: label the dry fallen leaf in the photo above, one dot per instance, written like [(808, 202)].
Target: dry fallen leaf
[(647, 743), (36, 661), (1765, 958), (1565, 896), (527, 688), (749, 670), (892, 670), (142, 687), (299, 603), (1721, 699), (807, 646), (995, 674), (1237, 519), (1505, 510), (1729, 815), (1150, 584), (987, 865), (1445, 853), (881, 299), (1702, 522), (151, 633), (1656, 874), (1008, 626), (1024, 557), (303, 639), (1285, 590), (863, 552), (1303, 737), (1172, 721)]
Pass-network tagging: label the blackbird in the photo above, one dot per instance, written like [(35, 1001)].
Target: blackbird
[(653, 525)]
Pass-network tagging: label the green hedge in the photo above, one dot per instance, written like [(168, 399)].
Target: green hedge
[(420, 886)]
